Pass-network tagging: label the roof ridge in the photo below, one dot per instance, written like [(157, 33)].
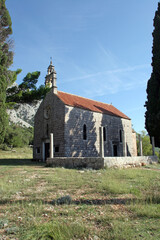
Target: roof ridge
[(85, 98), (94, 106)]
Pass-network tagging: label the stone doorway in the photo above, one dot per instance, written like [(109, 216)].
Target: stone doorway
[(47, 150), (115, 150)]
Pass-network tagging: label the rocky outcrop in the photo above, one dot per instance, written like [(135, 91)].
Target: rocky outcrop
[(23, 114)]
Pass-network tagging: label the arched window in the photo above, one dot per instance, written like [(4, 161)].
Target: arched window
[(47, 130), (84, 132), (104, 134), (120, 135)]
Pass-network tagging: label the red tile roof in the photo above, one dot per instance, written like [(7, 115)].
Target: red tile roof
[(91, 105)]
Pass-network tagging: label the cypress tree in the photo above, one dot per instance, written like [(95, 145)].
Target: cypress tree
[(6, 58), (152, 115)]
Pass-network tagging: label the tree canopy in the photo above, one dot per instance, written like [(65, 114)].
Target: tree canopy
[(152, 115), (27, 92), (6, 58)]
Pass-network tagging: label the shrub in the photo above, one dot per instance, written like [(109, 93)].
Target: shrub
[(17, 136)]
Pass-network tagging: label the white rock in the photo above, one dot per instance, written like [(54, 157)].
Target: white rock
[(23, 114)]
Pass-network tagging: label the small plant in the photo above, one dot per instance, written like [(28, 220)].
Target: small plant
[(3, 223), (12, 230), (55, 231), (105, 204), (62, 200), (4, 147)]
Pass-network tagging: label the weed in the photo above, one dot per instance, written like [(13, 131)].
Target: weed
[(145, 210), (106, 204), (56, 231)]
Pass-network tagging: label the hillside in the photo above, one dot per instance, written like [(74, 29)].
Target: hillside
[(23, 113)]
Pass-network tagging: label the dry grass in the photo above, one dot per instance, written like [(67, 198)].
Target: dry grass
[(17, 153), (106, 204)]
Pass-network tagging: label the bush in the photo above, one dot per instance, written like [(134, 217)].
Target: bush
[(4, 147), (17, 136)]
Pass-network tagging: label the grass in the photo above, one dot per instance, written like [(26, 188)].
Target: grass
[(106, 204), (17, 153), (56, 230)]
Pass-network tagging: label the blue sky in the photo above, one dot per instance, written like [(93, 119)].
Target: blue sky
[(101, 49)]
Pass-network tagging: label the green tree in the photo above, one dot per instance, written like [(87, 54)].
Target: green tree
[(146, 146), (27, 91), (152, 115), (6, 58)]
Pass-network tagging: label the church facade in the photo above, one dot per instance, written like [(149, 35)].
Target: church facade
[(77, 125)]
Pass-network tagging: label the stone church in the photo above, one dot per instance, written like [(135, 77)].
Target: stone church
[(78, 124)]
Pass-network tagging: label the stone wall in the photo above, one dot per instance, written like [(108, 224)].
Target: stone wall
[(98, 163), (66, 123), (129, 138), (134, 137), (94, 163), (129, 161), (76, 146), (49, 119)]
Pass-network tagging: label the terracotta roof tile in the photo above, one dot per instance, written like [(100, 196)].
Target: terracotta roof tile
[(91, 105)]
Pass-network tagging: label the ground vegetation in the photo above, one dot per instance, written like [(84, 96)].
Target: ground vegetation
[(105, 204)]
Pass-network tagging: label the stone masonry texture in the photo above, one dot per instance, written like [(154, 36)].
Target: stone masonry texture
[(50, 122), (66, 123), (76, 146), (98, 163)]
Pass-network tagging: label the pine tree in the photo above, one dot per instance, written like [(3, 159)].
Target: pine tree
[(6, 58), (152, 115), (27, 91)]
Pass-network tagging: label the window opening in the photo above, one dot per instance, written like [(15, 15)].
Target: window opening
[(84, 132), (56, 149), (47, 130), (115, 150), (104, 134), (38, 150), (120, 135)]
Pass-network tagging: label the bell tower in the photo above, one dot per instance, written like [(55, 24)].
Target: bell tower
[(51, 77)]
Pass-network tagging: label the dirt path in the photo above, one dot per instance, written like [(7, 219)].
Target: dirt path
[(154, 169)]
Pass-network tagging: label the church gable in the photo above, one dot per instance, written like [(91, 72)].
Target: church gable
[(49, 119), (91, 105)]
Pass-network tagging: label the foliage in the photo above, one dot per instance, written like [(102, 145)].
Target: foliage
[(55, 231), (6, 57), (152, 104), (17, 136), (146, 145), (96, 211), (30, 81), (27, 91)]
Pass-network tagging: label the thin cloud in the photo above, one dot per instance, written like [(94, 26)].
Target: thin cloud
[(119, 70)]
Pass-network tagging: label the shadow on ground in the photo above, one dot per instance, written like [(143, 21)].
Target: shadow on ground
[(112, 201), (19, 162)]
